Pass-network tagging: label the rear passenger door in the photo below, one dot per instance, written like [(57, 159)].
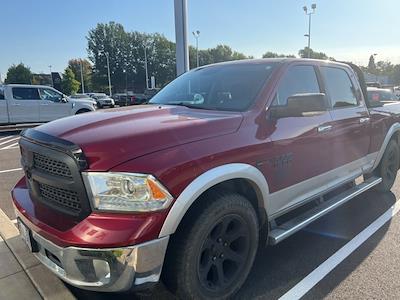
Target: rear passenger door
[(24, 105), (350, 128)]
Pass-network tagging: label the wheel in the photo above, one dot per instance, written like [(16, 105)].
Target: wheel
[(81, 111), (112, 106), (388, 167), (213, 254)]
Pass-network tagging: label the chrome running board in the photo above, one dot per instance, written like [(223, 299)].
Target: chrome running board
[(290, 227)]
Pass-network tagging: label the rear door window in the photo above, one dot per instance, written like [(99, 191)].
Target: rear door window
[(339, 87), (22, 93), (1, 94), (297, 80)]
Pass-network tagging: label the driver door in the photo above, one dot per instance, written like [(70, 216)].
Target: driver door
[(51, 106), (300, 151)]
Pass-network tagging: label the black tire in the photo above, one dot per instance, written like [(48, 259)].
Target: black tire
[(81, 111), (211, 256), (388, 167)]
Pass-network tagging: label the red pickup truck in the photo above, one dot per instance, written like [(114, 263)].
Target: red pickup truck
[(225, 158)]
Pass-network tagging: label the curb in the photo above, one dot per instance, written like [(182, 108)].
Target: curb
[(45, 282)]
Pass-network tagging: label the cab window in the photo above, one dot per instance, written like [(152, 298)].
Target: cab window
[(297, 80), (22, 93), (50, 95), (339, 87)]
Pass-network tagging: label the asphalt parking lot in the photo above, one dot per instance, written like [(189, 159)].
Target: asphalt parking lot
[(352, 252)]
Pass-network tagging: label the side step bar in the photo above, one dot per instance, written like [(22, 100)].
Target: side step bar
[(285, 230)]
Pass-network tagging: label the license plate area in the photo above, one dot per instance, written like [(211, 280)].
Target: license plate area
[(26, 235)]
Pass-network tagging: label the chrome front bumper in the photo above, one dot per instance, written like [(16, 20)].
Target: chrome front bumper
[(108, 270)]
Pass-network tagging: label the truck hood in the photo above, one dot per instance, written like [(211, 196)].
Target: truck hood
[(111, 137)]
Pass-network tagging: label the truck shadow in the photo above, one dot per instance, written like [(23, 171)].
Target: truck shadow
[(277, 269)]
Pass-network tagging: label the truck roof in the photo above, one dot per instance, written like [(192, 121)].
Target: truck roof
[(278, 60)]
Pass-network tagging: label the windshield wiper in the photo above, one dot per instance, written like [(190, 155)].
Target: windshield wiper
[(188, 105)]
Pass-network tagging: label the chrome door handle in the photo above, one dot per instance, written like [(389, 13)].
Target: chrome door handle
[(364, 120), (324, 128)]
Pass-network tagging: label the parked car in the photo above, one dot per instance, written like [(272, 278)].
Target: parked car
[(187, 187), (397, 91), (36, 103), (150, 93), (129, 99), (83, 97), (381, 95), (102, 100)]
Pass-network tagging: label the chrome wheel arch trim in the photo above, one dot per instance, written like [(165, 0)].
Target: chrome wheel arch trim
[(207, 180), (392, 130)]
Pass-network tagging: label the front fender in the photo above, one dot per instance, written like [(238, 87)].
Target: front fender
[(207, 180)]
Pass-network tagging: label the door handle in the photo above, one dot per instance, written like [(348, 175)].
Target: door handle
[(324, 128), (16, 104), (364, 120), (44, 104)]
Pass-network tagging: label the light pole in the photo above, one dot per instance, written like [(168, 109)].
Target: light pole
[(376, 71), (309, 14), (145, 66), (82, 84), (51, 76), (108, 71), (196, 35), (182, 49)]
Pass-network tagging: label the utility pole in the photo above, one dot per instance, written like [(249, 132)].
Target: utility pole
[(145, 66), (196, 35), (182, 49), (82, 84), (51, 76), (309, 14), (108, 71)]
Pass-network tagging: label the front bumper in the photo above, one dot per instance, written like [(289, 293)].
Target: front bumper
[(107, 270)]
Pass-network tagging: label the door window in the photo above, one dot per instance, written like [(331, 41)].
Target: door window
[(50, 95), (298, 80), (340, 88), (22, 93), (1, 94)]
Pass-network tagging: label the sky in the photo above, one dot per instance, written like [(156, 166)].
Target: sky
[(47, 32)]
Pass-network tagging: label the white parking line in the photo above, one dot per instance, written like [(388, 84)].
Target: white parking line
[(10, 140), (308, 282), (7, 137), (10, 170), (12, 146)]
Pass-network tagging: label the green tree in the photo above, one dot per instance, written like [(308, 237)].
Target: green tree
[(270, 54), (69, 84), (19, 74), (371, 65), (313, 54), (75, 66)]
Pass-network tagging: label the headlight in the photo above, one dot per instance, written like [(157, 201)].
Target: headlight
[(125, 192)]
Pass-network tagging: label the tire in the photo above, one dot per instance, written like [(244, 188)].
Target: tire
[(218, 240), (388, 167), (81, 111)]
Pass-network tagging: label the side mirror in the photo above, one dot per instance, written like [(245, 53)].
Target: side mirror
[(301, 105), (64, 99)]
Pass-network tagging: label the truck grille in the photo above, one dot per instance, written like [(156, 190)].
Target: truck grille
[(53, 173), (60, 197), (51, 166)]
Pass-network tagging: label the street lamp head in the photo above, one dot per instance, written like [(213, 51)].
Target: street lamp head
[(314, 6), (198, 32), (305, 9)]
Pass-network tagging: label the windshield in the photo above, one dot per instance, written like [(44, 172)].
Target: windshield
[(221, 87)]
